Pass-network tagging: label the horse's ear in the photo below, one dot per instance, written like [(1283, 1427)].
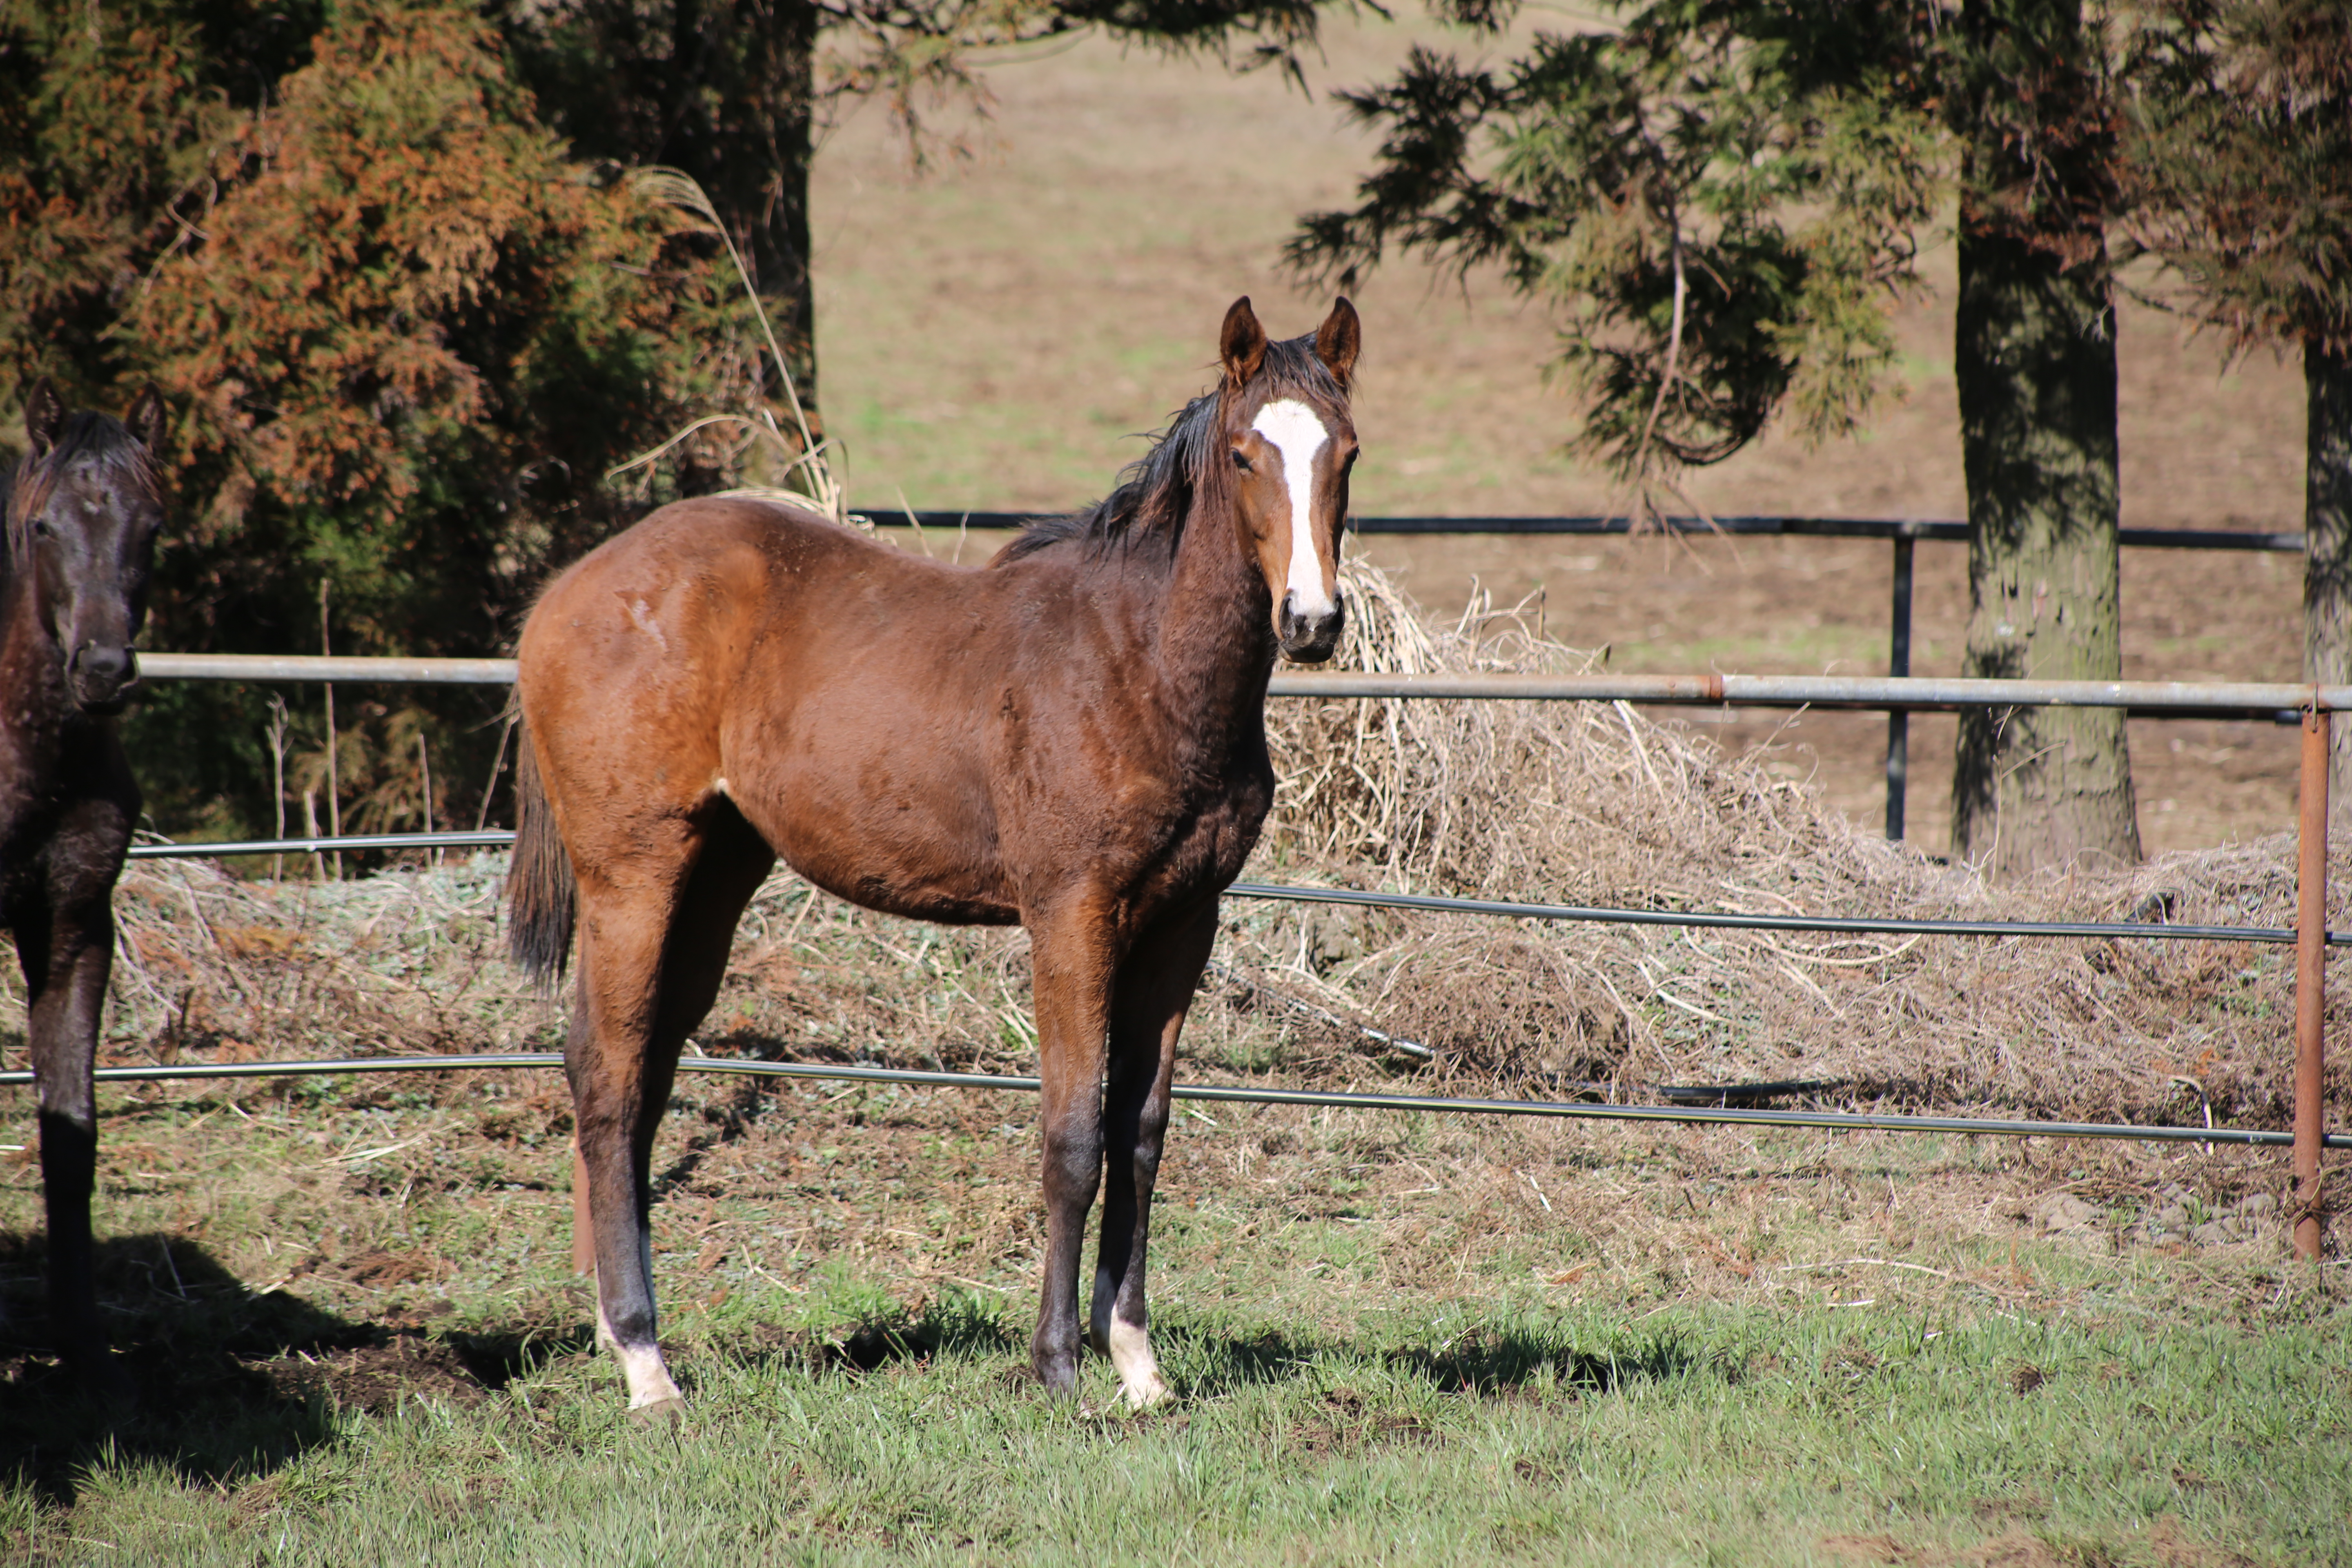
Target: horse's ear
[(146, 421), (45, 416), (1241, 346), (1338, 339)]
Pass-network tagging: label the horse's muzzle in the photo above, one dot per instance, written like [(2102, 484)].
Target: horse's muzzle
[(101, 678), (1310, 639)]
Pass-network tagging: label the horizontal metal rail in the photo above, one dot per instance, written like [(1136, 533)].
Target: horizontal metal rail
[(486, 839), (1814, 527), (1906, 693), (320, 666), (1903, 693), (1579, 1110), (1712, 920), (1865, 925)]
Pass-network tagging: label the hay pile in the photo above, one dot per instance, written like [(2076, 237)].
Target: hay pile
[(1595, 804), (1563, 803)]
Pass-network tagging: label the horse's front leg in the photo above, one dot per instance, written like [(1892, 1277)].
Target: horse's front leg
[(67, 955), (1155, 988), (1073, 957)]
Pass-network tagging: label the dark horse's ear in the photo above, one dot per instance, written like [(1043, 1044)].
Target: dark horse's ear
[(1338, 339), (1241, 346), (146, 420), (45, 416)]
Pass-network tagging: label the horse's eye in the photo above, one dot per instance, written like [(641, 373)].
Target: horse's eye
[(1241, 460), (41, 529)]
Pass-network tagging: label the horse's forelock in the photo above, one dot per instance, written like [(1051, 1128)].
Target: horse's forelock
[(87, 437)]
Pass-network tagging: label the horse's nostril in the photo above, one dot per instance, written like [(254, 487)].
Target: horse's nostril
[(95, 662)]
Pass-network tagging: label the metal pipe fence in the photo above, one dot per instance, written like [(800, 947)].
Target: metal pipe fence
[(1903, 534), (1701, 920), (1898, 528), (1242, 1094), (1897, 694), (2176, 699)]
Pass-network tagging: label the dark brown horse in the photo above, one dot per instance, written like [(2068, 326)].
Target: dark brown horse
[(82, 512), (1071, 737)]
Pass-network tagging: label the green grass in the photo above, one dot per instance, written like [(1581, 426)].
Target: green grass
[(1698, 1434), (348, 1309)]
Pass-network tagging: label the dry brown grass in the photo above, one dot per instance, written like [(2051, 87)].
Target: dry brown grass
[(1566, 803)]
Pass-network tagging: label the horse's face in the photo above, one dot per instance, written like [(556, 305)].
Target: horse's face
[(87, 522), (1291, 454)]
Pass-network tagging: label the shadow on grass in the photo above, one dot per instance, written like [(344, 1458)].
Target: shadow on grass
[(1487, 1360), (1484, 1360), (877, 1333), (216, 1382), (868, 1331)]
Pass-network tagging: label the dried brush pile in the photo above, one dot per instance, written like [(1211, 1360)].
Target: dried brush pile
[(1552, 802), (1592, 803)]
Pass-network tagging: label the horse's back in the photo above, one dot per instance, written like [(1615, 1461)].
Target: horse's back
[(732, 636)]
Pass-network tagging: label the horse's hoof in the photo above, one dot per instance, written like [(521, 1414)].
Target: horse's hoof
[(662, 1414), (1060, 1383), (1148, 1396)]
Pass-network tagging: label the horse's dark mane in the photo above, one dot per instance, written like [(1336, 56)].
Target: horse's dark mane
[(97, 439), (1155, 493)]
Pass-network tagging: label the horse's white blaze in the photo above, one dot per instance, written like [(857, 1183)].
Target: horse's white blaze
[(1294, 431)]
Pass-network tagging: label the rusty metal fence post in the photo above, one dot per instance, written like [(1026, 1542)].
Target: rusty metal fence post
[(2310, 975), (1898, 664)]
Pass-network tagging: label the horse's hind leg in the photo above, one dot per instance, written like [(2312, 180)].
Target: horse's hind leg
[(653, 950), (1154, 990)]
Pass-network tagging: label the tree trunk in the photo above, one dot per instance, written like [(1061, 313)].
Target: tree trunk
[(2327, 544), (2034, 357)]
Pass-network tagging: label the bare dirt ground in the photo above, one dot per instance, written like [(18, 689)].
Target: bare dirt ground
[(996, 332)]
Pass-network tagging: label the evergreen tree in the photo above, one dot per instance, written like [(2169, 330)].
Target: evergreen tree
[(405, 334), (2240, 139), (1722, 200)]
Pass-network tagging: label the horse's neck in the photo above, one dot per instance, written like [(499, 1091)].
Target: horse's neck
[(31, 670), (1215, 647)]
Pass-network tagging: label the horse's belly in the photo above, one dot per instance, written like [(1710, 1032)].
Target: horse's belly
[(917, 845)]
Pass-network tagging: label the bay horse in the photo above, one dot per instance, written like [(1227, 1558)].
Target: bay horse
[(1071, 737), (82, 511)]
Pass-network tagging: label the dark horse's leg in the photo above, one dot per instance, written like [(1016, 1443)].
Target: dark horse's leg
[(1155, 988), (653, 948), (65, 943), (1072, 958)]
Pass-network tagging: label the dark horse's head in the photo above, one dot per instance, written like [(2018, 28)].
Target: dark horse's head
[(83, 509), (1283, 409)]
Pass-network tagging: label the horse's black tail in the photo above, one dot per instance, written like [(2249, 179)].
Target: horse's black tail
[(540, 895)]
